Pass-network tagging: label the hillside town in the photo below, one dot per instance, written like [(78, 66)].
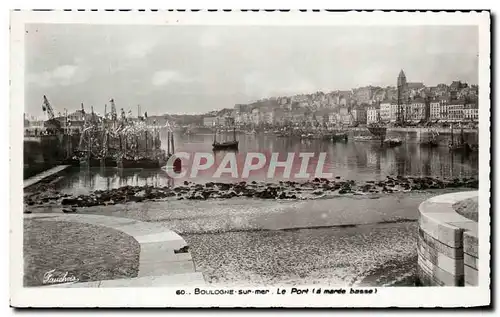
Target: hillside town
[(409, 103), (406, 104)]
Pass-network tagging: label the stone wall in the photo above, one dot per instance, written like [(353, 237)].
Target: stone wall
[(416, 135), (44, 152), (447, 243)]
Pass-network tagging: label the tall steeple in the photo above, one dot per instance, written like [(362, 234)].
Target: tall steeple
[(401, 79)]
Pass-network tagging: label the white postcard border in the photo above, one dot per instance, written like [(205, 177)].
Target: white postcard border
[(165, 297)]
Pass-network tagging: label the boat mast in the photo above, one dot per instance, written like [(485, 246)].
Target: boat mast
[(452, 141), (172, 140), (215, 133)]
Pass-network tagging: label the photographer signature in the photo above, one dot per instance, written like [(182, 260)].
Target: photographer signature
[(53, 277)]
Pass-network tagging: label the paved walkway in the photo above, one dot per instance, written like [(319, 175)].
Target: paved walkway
[(35, 179), (164, 259)]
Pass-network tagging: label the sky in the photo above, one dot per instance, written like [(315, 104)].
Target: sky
[(196, 69)]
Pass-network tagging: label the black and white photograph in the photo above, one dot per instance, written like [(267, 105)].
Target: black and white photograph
[(263, 159)]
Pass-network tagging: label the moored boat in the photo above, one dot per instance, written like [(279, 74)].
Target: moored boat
[(226, 145), (392, 142), (364, 138)]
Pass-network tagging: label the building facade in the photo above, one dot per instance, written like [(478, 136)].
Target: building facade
[(471, 112), (372, 115), (359, 115)]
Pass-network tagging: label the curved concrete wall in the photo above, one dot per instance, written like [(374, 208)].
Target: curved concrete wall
[(447, 243), (164, 258)]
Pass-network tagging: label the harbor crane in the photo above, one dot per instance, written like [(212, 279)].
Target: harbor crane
[(51, 122), (47, 108)]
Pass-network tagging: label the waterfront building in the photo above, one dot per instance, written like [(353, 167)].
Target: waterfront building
[(373, 114), (385, 111), (471, 112), (416, 110), (435, 110), (359, 115), (455, 111)]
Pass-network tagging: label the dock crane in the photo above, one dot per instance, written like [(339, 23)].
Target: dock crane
[(47, 108)]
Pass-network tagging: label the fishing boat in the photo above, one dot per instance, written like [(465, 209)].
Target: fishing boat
[(339, 137), (364, 138), (227, 145), (392, 142), (461, 145), (431, 141)]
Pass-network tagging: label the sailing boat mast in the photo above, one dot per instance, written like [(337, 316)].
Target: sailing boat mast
[(215, 133), (452, 141)]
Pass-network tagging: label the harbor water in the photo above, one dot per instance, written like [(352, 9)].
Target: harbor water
[(359, 161)]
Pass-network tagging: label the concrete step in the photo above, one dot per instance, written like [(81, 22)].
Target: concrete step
[(37, 178)]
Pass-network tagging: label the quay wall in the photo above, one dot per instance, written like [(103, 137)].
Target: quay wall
[(415, 135), (46, 151), (447, 243)]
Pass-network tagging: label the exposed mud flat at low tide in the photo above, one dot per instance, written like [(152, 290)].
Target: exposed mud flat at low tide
[(327, 256), (348, 240)]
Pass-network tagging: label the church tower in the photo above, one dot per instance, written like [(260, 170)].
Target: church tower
[(402, 80), (402, 95)]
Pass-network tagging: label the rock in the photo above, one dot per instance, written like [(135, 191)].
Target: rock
[(67, 211), (186, 183), (366, 188), (337, 177), (70, 201), (316, 180), (142, 193), (209, 185), (318, 192), (343, 191)]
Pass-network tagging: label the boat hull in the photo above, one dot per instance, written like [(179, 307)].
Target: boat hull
[(225, 146), (139, 163)]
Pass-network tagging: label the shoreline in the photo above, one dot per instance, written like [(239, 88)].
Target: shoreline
[(43, 193)]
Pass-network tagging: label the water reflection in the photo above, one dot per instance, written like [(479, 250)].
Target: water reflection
[(351, 160)]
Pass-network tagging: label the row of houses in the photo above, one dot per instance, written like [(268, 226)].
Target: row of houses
[(416, 111), (442, 110)]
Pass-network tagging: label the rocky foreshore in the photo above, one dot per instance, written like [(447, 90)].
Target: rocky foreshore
[(312, 189)]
